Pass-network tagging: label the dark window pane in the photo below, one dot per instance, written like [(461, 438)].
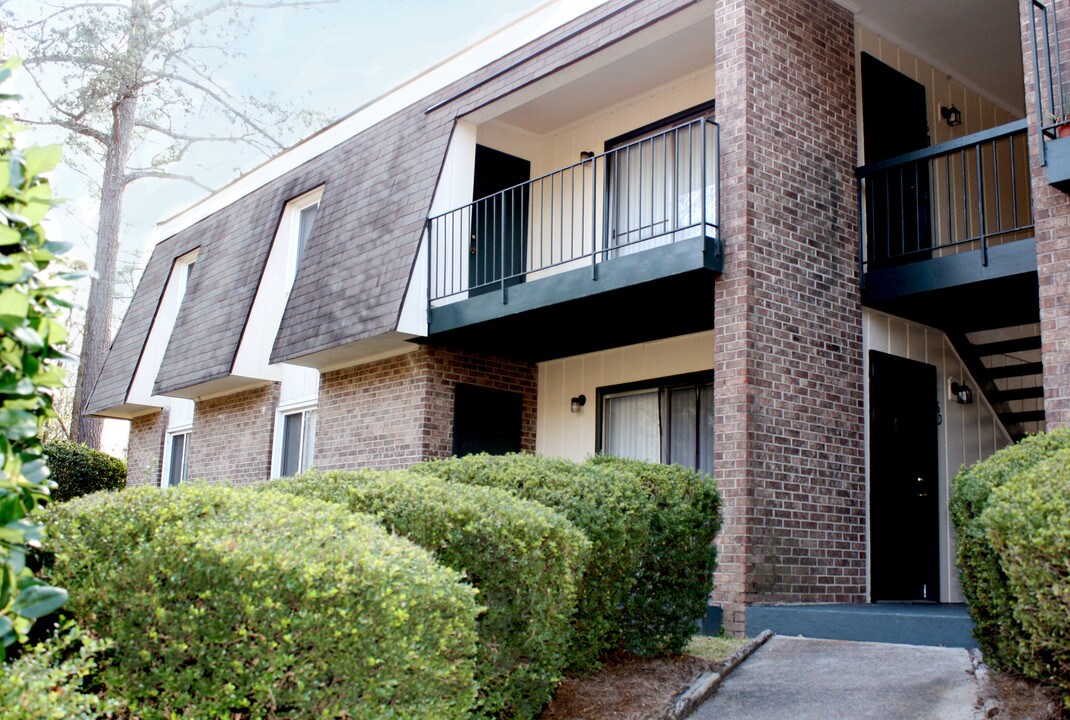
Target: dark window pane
[(176, 471), (308, 217), (291, 444), (682, 426)]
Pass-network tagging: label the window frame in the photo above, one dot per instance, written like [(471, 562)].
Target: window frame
[(292, 230), (278, 444), (165, 469), (664, 387)]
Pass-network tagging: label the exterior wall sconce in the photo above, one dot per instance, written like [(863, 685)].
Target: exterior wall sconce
[(952, 115), (578, 402), (962, 392), (586, 154)]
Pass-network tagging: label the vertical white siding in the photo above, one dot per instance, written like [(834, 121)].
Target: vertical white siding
[(562, 433), (968, 433)]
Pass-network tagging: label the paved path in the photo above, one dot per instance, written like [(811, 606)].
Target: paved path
[(802, 679)]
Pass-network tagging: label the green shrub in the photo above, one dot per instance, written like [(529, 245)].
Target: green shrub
[(49, 680), (228, 603), (676, 570), (983, 581), (525, 559), (79, 470), (31, 347), (1028, 523), (640, 548)]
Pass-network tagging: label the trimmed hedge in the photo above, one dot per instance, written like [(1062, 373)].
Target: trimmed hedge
[(984, 583), (641, 520), (676, 570), (525, 559), (80, 470), (223, 602), (53, 680), (1028, 523)]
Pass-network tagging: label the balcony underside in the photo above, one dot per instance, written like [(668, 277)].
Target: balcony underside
[(656, 293), (959, 293)]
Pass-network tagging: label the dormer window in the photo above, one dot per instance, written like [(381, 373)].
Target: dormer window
[(298, 220)]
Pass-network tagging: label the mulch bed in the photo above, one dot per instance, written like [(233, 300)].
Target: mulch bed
[(627, 688), (1026, 699)]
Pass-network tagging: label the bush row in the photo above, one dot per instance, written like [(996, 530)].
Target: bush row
[(80, 470), (228, 603), (652, 529), (1012, 523), (525, 559)]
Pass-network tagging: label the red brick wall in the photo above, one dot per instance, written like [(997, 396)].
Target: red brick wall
[(398, 411), (788, 338), (144, 450), (1051, 208), (232, 436)]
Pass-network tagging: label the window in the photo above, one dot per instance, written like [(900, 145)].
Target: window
[(298, 445), (668, 421), (176, 459), (296, 228), (655, 181)]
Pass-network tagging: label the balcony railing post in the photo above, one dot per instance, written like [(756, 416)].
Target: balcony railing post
[(862, 237), (1036, 80), (594, 218), (981, 205), (702, 129)]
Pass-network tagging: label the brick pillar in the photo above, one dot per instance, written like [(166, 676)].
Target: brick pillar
[(144, 450), (788, 324), (232, 436), (1051, 210)]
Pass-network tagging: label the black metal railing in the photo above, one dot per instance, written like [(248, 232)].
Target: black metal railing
[(966, 194), (1051, 96), (651, 192)]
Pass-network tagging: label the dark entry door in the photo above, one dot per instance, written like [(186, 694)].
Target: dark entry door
[(903, 498), (895, 116), (486, 420), (499, 220)]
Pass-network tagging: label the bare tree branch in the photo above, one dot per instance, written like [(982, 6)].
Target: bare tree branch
[(163, 175)]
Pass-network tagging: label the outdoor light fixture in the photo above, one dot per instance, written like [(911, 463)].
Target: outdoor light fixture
[(578, 402), (952, 115), (962, 393), (586, 154)]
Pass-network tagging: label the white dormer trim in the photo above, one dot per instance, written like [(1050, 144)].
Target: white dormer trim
[(140, 392), (254, 352)]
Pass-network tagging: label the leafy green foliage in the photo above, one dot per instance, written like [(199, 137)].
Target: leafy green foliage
[(984, 582), (646, 525), (52, 680), (525, 559), (30, 341), (683, 515), (227, 603), (1028, 526), (80, 470)]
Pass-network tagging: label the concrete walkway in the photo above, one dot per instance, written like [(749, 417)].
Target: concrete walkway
[(804, 679)]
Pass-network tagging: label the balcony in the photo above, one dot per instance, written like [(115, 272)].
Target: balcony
[(615, 231), (1051, 97), (946, 239)]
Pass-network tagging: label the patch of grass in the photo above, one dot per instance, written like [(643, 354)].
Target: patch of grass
[(716, 649)]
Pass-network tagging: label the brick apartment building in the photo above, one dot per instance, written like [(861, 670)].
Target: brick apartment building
[(816, 248)]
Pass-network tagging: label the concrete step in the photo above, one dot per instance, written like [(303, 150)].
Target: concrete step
[(902, 623)]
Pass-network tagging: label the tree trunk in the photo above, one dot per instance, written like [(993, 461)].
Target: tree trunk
[(97, 336)]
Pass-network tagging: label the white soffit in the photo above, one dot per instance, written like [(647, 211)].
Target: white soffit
[(524, 30)]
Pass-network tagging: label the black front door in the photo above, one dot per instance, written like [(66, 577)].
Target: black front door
[(499, 220), (903, 500), (895, 117)]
